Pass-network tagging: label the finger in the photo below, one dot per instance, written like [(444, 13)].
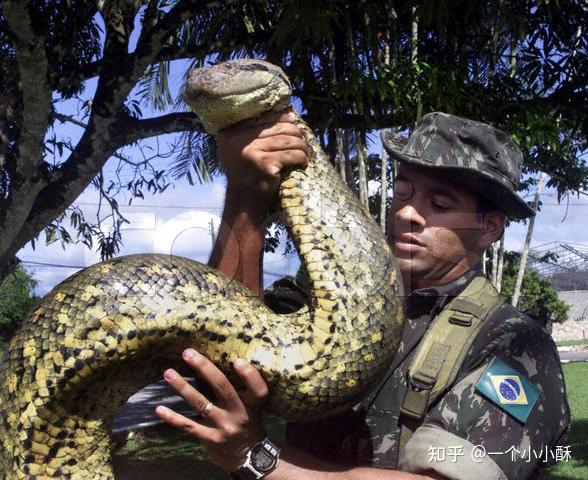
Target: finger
[(256, 389), (287, 116), (204, 433), (266, 131), (275, 129), (222, 388), (291, 158), (276, 145), (282, 142), (192, 396), (272, 165)]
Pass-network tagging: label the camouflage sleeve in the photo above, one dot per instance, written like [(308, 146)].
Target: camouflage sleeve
[(466, 435)]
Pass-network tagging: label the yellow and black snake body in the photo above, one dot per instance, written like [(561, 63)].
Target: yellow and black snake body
[(114, 327)]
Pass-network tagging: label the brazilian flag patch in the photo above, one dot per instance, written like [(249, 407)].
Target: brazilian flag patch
[(509, 389)]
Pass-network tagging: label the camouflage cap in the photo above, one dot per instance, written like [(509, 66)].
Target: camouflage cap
[(485, 158)]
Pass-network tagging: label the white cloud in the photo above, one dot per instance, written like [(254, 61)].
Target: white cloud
[(556, 222), (172, 222), (278, 264), (374, 187), (176, 222), (187, 234)]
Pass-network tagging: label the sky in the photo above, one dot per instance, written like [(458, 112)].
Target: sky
[(556, 222), (178, 221)]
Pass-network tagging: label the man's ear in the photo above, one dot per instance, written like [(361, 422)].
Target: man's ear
[(493, 224)]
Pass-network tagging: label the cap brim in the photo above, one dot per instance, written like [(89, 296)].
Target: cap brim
[(479, 182)]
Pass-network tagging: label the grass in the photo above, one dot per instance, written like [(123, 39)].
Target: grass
[(163, 442), (163, 452), (577, 467), (2, 349), (571, 343)]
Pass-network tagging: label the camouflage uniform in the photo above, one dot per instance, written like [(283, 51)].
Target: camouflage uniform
[(461, 423), (461, 420)]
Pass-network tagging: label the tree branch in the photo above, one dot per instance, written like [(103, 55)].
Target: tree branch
[(28, 175), (81, 73), (118, 74), (68, 118), (167, 54), (36, 94), (172, 123), (87, 160), (185, 52), (153, 37)]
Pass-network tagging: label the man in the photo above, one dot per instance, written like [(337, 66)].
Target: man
[(504, 413)]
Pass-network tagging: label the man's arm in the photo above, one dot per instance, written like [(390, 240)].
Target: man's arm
[(296, 464), (252, 155), (238, 250), (234, 425)]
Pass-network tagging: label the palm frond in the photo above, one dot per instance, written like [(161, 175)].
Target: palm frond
[(196, 159)]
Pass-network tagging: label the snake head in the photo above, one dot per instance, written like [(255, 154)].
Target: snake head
[(236, 90)]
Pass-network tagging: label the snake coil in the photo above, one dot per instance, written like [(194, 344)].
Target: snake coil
[(112, 328)]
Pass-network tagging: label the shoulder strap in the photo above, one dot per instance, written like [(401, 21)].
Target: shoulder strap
[(445, 345)]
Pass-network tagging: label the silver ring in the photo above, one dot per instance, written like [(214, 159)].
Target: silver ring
[(204, 413)]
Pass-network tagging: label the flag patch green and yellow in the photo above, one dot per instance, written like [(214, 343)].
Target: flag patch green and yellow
[(509, 389)]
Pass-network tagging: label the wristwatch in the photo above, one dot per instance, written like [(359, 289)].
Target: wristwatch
[(261, 460)]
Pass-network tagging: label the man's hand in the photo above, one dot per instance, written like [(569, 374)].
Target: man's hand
[(255, 152), (233, 425)]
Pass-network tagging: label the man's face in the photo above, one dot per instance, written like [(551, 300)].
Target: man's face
[(434, 229)]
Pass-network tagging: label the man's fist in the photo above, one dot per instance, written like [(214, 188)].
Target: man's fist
[(255, 152)]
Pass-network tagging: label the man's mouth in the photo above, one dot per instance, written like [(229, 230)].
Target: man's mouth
[(407, 243)]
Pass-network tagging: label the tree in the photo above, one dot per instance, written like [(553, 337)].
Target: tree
[(103, 67), (52, 52), (16, 301), (527, 245), (537, 296)]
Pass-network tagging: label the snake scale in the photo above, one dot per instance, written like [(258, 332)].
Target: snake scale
[(112, 328)]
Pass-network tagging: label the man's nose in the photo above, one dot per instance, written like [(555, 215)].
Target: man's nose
[(409, 213)]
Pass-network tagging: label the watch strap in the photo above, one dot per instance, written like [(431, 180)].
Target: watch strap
[(252, 471), (243, 474)]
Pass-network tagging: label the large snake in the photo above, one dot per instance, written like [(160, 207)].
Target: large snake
[(112, 328)]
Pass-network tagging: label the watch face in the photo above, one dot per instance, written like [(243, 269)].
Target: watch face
[(262, 459)]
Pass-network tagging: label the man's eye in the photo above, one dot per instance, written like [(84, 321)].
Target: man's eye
[(402, 190), (440, 206), (403, 195)]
